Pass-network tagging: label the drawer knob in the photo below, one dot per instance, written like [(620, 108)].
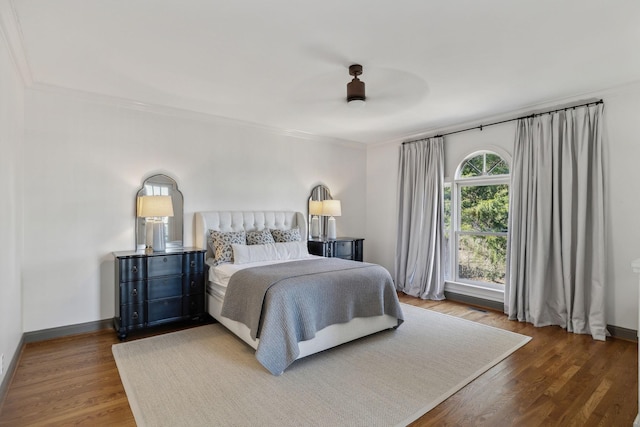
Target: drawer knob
[(193, 263), (193, 284), (134, 292), (164, 259), (135, 315), (134, 269)]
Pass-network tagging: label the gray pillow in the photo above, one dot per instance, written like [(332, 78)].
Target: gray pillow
[(221, 244), (261, 237), (282, 236)]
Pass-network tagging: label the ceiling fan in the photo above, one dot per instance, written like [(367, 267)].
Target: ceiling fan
[(387, 90)]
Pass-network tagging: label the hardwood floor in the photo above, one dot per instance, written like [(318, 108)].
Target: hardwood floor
[(557, 379)]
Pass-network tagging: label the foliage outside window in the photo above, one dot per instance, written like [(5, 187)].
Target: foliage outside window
[(476, 221), (447, 232)]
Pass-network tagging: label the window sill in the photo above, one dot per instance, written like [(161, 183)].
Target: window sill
[(474, 291)]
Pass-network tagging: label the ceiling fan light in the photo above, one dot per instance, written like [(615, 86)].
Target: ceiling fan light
[(355, 88)]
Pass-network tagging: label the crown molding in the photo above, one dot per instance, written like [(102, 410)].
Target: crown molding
[(11, 33)]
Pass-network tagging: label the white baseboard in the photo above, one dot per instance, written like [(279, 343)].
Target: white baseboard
[(636, 422)]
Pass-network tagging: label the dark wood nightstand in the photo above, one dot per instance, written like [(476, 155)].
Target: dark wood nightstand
[(157, 288), (341, 247)]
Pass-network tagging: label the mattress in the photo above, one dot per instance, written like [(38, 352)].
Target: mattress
[(219, 275)]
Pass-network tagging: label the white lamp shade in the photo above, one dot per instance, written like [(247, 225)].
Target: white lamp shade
[(331, 208), (315, 207), (155, 206)]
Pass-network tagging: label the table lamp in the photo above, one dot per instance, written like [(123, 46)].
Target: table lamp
[(154, 209), (331, 208)]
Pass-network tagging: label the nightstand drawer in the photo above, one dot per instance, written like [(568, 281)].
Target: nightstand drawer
[(164, 310), (193, 305), (132, 269), (164, 287), (193, 284), (193, 262), (344, 250), (132, 315), (341, 247), (164, 265), (321, 248), (133, 292)]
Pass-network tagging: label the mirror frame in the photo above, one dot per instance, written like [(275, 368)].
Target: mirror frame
[(319, 192), (175, 224)]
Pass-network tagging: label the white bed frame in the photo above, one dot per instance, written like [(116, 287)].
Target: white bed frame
[(326, 338)]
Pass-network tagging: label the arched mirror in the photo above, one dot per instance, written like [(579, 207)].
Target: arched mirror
[(317, 222), (169, 215)]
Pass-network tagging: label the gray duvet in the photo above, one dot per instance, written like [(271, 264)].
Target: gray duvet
[(283, 304)]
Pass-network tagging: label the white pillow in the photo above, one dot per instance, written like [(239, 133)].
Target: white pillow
[(243, 254)]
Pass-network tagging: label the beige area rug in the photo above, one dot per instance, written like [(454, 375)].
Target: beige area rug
[(205, 376)]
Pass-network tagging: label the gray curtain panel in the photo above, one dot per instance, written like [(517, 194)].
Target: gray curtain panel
[(557, 216), (418, 266)]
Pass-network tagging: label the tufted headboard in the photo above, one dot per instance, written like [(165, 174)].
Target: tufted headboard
[(248, 221)]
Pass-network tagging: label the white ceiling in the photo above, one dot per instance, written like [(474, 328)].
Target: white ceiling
[(283, 63)]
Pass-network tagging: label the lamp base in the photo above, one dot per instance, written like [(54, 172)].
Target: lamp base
[(154, 236), (331, 228), (315, 226), (158, 236), (148, 234)]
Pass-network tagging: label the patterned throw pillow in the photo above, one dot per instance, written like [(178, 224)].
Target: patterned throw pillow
[(282, 236), (261, 237), (221, 244)]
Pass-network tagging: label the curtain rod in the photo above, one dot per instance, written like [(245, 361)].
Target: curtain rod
[(509, 120)]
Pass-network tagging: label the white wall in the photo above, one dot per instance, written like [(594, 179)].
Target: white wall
[(622, 107), (11, 146), (86, 157)]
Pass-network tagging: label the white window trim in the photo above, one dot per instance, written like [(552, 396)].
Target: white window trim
[(485, 290)]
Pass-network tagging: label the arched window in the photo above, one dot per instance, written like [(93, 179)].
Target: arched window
[(477, 218)]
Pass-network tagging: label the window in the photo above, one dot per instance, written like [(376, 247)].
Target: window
[(476, 221)]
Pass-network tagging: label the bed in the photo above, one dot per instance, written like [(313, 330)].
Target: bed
[(275, 347)]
